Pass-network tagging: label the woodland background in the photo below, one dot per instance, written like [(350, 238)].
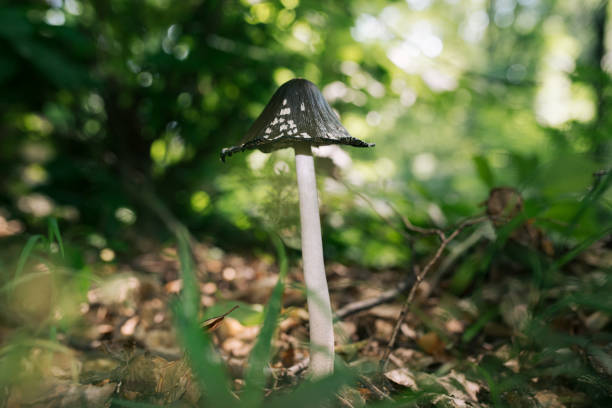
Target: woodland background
[(112, 117)]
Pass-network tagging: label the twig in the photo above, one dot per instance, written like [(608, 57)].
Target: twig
[(387, 296), (297, 368), (407, 224), (419, 275), (419, 278), (365, 304), (381, 394), (411, 227), (344, 401), (454, 253)]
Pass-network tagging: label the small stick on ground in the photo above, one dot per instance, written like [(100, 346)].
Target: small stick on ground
[(420, 275), (297, 368), (345, 402), (368, 383), (387, 296), (365, 304)]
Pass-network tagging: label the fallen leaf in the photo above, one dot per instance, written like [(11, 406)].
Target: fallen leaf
[(129, 326), (158, 379), (236, 348), (214, 322), (431, 344), (383, 329), (454, 326), (548, 399), (391, 311), (174, 286), (287, 356), (596, 321), (403, 377)]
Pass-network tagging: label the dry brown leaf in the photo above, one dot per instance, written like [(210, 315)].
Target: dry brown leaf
[(548, 399), (287, 356), (128, 328), (344, 331), (459, 391), (431, 344), (408, 332), (403, 377), (454, 326), (596, 321), (391, 311), (213, 323), (236, 348), (470, 388), (414, 358), (157, 379), (174, 286), (505, 203), (383, 329)]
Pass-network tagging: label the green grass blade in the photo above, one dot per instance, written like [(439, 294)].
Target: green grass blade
[(260, 355), (600, 187), (484, 171), (25, 254), (474, 329), (54, 231), (190, 295), (205, 362), (579, 248)]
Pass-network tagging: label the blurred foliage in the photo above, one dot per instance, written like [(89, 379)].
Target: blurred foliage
[(107, 105)]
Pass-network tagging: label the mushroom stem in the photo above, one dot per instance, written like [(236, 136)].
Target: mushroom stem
[(319, 307)]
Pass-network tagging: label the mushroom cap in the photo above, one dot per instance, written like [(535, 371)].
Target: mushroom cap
[(297, 114)]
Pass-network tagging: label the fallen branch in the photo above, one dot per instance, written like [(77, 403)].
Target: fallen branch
[(421, 275), (365, 304), (381, 394)]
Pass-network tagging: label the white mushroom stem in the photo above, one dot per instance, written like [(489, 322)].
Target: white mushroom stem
[(319, 307)]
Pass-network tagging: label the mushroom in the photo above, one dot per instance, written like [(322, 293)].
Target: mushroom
[(298, 116)]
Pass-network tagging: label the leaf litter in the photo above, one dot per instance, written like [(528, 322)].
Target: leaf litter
[(446, 353)]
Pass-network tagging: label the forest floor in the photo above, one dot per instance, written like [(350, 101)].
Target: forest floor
[(125, 344)]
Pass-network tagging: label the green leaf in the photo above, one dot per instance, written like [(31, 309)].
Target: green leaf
[(465, 273), (14, 24), (255, 378), (601, 185), (55, 232), (25, 253), (205, 362), (314, 393), (474, 329), (579, 248), (484, 170)]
